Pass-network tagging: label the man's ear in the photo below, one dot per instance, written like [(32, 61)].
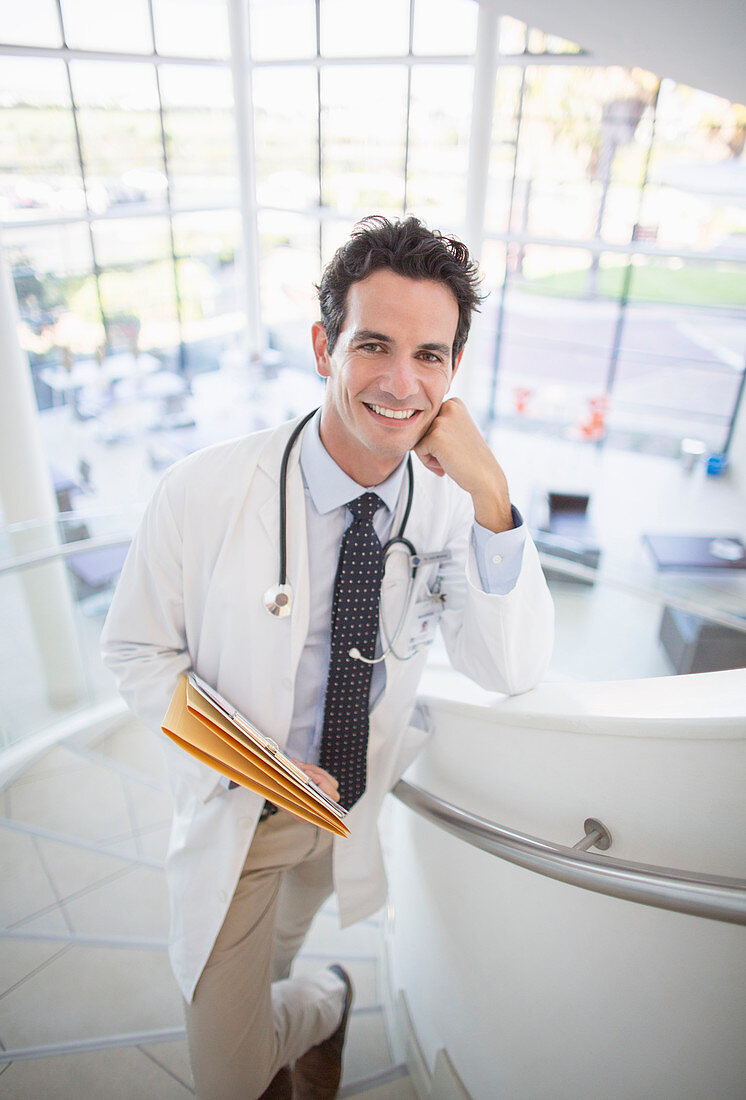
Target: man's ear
[(320, 349), (456, 364)]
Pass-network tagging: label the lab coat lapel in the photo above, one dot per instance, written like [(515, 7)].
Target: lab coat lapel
[(269, 515)]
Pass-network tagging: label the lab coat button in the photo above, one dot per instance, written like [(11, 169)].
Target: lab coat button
[(287, 684), (496, 559), (222, 896)]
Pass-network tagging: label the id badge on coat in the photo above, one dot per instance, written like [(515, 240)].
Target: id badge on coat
[(428, 604)]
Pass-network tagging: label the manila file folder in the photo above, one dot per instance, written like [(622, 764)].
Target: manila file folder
[(206, 725)]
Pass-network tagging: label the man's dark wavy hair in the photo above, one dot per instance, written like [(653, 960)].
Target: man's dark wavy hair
[(408, 248)]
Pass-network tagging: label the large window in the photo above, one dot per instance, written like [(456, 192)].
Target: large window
[(349, 124), (615, 221), (618, 314), (118, 188)]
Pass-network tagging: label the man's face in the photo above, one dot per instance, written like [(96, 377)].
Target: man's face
[(390, 371)]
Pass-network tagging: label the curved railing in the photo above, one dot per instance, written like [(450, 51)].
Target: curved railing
[(699, 895), (38, 544), (572, 570)]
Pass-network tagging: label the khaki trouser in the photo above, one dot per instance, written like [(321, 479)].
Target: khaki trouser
[(248, 1018)]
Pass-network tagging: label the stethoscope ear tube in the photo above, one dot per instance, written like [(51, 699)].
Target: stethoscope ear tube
[(390, 641), (284, 494), (278, 599)]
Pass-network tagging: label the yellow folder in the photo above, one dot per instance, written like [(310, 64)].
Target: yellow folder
[(205, 724)]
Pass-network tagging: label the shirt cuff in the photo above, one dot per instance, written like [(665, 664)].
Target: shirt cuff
[(499, 555)]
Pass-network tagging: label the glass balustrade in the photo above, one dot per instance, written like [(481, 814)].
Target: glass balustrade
[(622, 619)]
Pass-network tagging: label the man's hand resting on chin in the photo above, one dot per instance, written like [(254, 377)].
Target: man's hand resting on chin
[(455, 446)]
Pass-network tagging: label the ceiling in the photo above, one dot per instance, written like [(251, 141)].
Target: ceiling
[(695, 43)]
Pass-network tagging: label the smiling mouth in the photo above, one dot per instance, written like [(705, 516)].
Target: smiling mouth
[(392, 414)]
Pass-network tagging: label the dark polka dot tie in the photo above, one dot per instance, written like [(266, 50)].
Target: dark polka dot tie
[(344, 740)]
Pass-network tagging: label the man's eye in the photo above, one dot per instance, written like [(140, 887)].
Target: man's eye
[(431, 357), (370, 347)]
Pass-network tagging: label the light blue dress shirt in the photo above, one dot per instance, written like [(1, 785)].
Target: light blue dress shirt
[(327, 490)]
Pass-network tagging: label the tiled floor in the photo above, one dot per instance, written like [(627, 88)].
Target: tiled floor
[(54, 991)]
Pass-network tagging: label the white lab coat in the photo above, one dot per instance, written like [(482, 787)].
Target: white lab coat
[(191, 596)]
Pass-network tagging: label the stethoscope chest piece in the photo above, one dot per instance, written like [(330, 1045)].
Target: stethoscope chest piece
[(278, 600)]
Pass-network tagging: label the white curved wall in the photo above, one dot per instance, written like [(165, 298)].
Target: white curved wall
[(537, 989)]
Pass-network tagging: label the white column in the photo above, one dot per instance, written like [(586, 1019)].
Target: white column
[(483, 99), (26, 493), (238, 14)]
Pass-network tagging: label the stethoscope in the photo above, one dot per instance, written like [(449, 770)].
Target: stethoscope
[(278, 599)]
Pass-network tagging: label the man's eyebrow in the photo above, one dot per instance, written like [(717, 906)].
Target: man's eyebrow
[(444, 349), (368, 334)]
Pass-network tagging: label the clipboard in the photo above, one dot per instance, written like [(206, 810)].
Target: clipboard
[(204, 724)]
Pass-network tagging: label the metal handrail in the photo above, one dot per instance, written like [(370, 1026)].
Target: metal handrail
[(699, 895)]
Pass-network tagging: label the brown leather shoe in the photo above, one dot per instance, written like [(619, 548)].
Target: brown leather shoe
[(317, 1074), (280, 1087)]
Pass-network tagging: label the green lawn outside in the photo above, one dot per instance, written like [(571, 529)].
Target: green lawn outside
[(697, 285)]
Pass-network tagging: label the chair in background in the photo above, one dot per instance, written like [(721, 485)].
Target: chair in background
[(560, 528)]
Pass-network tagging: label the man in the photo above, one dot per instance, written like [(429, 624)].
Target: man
[(323, 681)]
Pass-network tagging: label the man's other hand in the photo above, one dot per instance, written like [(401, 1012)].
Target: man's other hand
[(322, 779), (453, 445)]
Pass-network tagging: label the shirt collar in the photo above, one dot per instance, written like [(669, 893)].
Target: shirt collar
[(329, 485)]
